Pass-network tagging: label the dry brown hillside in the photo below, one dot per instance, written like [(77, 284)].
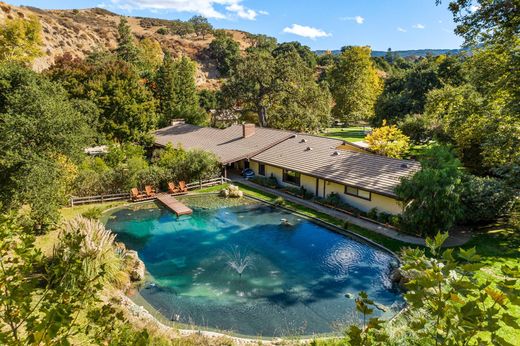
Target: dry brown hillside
[(82, 31)]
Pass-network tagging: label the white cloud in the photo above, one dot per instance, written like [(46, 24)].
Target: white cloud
[(265, 13), (207, 8), (474, 8), (418, 26), (306, 31), (357, 19), (401, 29)]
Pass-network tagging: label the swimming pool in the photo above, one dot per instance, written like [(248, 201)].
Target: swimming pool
[(253, 269)]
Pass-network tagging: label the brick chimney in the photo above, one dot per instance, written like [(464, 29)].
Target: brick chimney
[(248, 130)]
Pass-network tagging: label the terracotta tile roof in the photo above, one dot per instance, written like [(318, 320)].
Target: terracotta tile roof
[(318, 157), (228, 144)]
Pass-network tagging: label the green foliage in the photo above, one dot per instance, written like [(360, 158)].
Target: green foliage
[(417, 127), (281, 91), (150, 55), (265, 181), (208, 99), (432, 196), (41, 131), (225, 51), (491, 22), (177, 92), (355, 84), (261, 43), (389, 141), (93, 213), (42, 299), (455, 308), (201, 26), (126, 49), (405, 92), (20, 40), (127, 107), (191, 165), (305, 53), (485, 199)]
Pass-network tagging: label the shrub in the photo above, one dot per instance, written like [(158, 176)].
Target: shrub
[(279, 201), (267, 182), (416, 127), (373, 214), (162, 31), (93, 213), (484, 199)]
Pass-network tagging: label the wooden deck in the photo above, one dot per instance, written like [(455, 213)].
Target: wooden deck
[(174, 205)]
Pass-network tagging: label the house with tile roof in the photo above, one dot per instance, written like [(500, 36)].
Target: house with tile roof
[(318, 164)]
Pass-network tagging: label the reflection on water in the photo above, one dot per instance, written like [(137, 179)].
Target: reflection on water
[(285, 279)]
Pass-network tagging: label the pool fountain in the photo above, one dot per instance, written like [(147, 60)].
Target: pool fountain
[(239, 269), (237, 260)]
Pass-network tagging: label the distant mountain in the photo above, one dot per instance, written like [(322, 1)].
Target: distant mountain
[(406, 53)]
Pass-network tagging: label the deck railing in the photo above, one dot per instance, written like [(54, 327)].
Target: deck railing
[(126, 195)]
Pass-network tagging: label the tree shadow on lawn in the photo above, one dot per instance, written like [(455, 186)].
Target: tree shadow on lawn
[(496, 243)]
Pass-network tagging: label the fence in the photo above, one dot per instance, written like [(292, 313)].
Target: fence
[(125, 195)]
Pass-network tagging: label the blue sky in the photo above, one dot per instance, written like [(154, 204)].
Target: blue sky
[(320, 24)]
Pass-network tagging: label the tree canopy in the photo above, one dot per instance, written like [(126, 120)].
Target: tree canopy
[(21, 40), (355, 85)]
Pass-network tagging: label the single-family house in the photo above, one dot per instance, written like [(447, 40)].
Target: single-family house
[(320, 165)]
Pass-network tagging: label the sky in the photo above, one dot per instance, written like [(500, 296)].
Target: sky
[(320, 24)]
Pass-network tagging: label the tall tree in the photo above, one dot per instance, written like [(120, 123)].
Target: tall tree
[(126, 49), (127, 107), (225, 51), (432, 196), (355, 84), (201, 26), (40, 131), (252, 84), (186, 96), (177, 92), (282, 92), (307, 55), (21, 40), (150, 56), (484, 21)]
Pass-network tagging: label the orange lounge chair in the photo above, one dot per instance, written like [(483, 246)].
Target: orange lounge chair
[(172, 188), (182, 186), (150, 192), (136, 196)]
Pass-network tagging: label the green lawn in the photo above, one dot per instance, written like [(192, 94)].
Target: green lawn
[(349, 134)]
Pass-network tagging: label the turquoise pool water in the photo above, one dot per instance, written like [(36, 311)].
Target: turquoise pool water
[(253, 269)]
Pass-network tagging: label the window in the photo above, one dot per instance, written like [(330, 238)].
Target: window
[(291, 177), (354, 191), (261, 170)]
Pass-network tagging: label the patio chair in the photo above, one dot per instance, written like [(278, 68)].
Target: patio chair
[(182, 186), (172, 188), (136, 195), (150, 191)]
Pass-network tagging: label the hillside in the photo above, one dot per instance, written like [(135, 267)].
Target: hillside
[(79, 32), (406, 53)]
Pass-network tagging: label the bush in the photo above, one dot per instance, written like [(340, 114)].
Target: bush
[(270, 182), (162, 31), (373, 214), (93, 213), (484, 199), (279, 201), (416, 127)]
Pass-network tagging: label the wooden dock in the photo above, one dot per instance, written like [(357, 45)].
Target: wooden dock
[(174, 205)]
